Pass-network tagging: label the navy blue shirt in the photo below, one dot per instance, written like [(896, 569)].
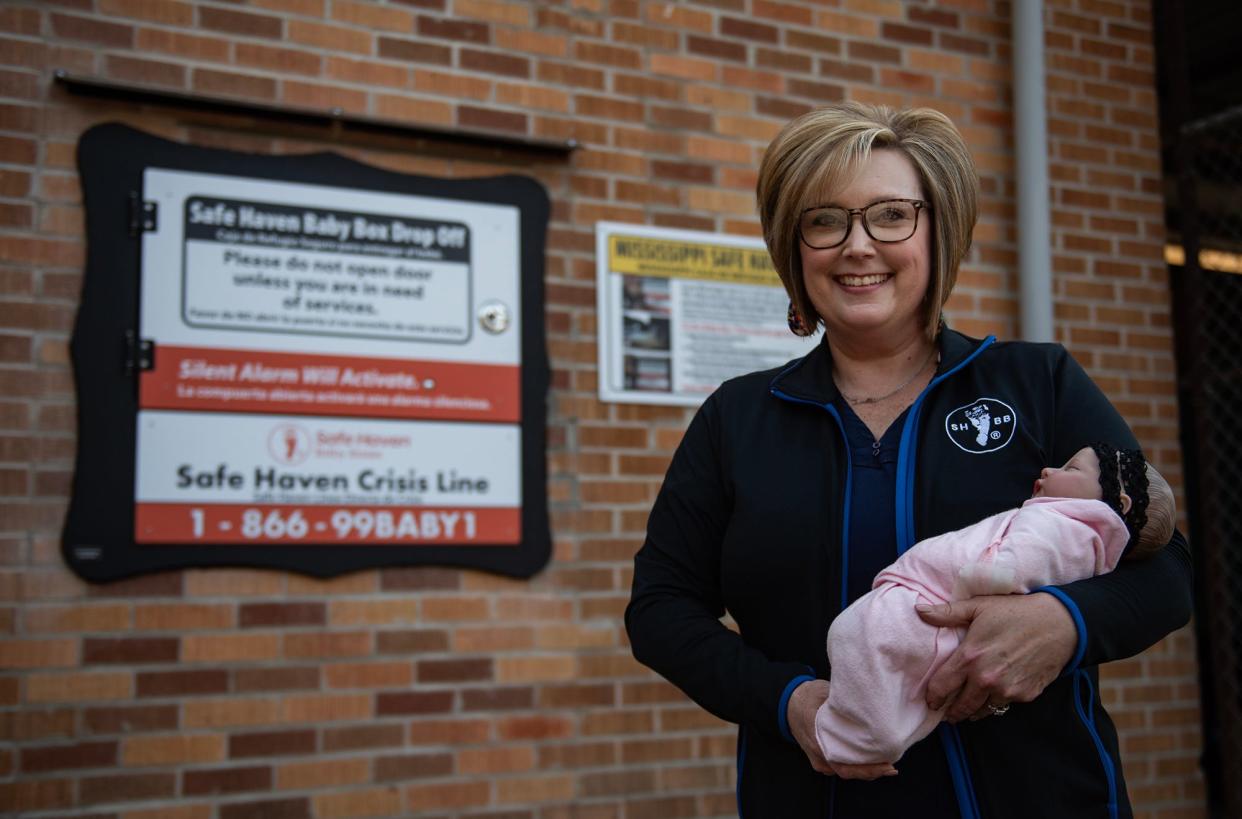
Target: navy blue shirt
[(873, 512), (872, 546)]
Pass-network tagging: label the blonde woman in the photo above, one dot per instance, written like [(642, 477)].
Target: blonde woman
[(895, 428)]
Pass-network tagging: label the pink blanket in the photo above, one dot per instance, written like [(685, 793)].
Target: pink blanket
[(882, 654)]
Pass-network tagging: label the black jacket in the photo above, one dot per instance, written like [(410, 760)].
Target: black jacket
[(751, 520)]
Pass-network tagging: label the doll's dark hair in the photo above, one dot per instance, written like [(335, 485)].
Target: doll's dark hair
[(1126, 470)]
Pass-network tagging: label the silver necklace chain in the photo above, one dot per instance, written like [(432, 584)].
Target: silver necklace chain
[(878, 398)]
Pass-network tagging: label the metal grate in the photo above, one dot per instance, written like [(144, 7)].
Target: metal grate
[(1209, 327)]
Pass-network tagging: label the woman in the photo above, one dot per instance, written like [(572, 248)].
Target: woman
[(792, 488)]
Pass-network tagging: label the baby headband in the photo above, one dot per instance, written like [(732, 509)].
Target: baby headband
[(1129, 476)]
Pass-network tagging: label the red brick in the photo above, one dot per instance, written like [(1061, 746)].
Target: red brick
[(413, 702), (298, 678), (298, 808), (466, 31), (130, 719), (711, 47), (233, 85), (577, 755), (61, 757), (782, 60), (469, 116), (272, 743), (356, 737), (92, 30), (419, 579), (411, 641), (457, 669), (569, 74), (934, 17), (491, 62), (130, 650), (37, 794), (647, 36), (847, 70), (967, 45), (615, 56), (872, 52), (617, 783), (412, 766), (37, 724), (20, 21), (271, 58), (122, 787), (897, 32), (212, 781), (164, 584), (818, 44), (282, 614), (394, 48), (181, 683), (748, 30), (244, 23), (497, 699)]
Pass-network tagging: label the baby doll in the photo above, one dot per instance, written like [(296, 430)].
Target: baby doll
[(1080, 520)]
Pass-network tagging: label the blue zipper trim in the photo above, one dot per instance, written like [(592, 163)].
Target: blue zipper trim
[(741, 762), (959, 769), (1087, 716), (963, 788), (782, 718), (906, 454), (1079, 624)]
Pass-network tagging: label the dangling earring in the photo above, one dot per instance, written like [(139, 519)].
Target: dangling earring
[(796, 325)]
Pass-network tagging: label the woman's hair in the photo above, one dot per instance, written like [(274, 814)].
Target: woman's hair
[(1152, 507), (820, 151)]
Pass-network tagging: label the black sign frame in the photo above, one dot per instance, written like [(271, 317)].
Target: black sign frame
[(108, 355)]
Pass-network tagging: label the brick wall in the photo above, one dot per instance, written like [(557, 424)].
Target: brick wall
[(231, 694)]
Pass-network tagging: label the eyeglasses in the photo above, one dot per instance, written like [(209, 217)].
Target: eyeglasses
[(890, 220)]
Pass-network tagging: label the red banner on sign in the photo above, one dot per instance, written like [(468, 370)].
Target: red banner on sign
[(284, 524), (202, 378)]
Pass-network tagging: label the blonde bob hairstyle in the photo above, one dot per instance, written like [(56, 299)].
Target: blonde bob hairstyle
[(819, 153)]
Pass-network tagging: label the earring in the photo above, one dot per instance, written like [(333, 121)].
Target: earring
[(796, 325)]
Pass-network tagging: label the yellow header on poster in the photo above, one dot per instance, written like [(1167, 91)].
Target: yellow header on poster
[(672, 258)]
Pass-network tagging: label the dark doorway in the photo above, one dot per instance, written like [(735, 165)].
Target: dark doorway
[(1200, 92)]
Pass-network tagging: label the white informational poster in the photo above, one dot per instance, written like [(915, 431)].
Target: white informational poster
[(681, 311), (297, 330)]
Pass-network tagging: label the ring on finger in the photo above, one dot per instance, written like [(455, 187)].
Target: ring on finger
[(998, 710)]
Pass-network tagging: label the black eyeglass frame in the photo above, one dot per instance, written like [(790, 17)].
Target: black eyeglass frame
[(919, 204)]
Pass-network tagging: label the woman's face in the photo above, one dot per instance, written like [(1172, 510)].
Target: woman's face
[(863, 287)]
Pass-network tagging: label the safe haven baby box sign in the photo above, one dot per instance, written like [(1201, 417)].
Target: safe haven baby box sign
[(357, 369)]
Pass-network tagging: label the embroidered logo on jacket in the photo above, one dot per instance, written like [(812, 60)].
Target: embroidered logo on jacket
[(984, 425)]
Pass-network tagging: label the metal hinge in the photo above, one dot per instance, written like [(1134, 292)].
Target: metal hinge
[(142, 215), (139, 353)]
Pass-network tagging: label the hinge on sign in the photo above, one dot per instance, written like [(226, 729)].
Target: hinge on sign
[(142, 215), (139, 353)]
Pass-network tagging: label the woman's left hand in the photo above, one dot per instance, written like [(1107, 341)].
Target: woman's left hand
[(1015, 645)]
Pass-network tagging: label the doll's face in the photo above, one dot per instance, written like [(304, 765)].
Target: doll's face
[(1079, 478)]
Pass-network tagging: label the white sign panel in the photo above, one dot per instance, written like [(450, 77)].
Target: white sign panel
[(325, 480), (682, 311), (296, 329)]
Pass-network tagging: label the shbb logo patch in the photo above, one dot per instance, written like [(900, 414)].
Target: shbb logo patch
[(984, 425)]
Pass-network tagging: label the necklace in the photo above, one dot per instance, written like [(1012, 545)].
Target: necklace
[(878, 398)]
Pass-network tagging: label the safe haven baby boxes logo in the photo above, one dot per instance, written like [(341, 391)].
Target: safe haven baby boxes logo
[(984, 425)]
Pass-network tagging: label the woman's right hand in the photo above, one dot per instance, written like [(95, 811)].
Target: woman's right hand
[(804, 703)]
